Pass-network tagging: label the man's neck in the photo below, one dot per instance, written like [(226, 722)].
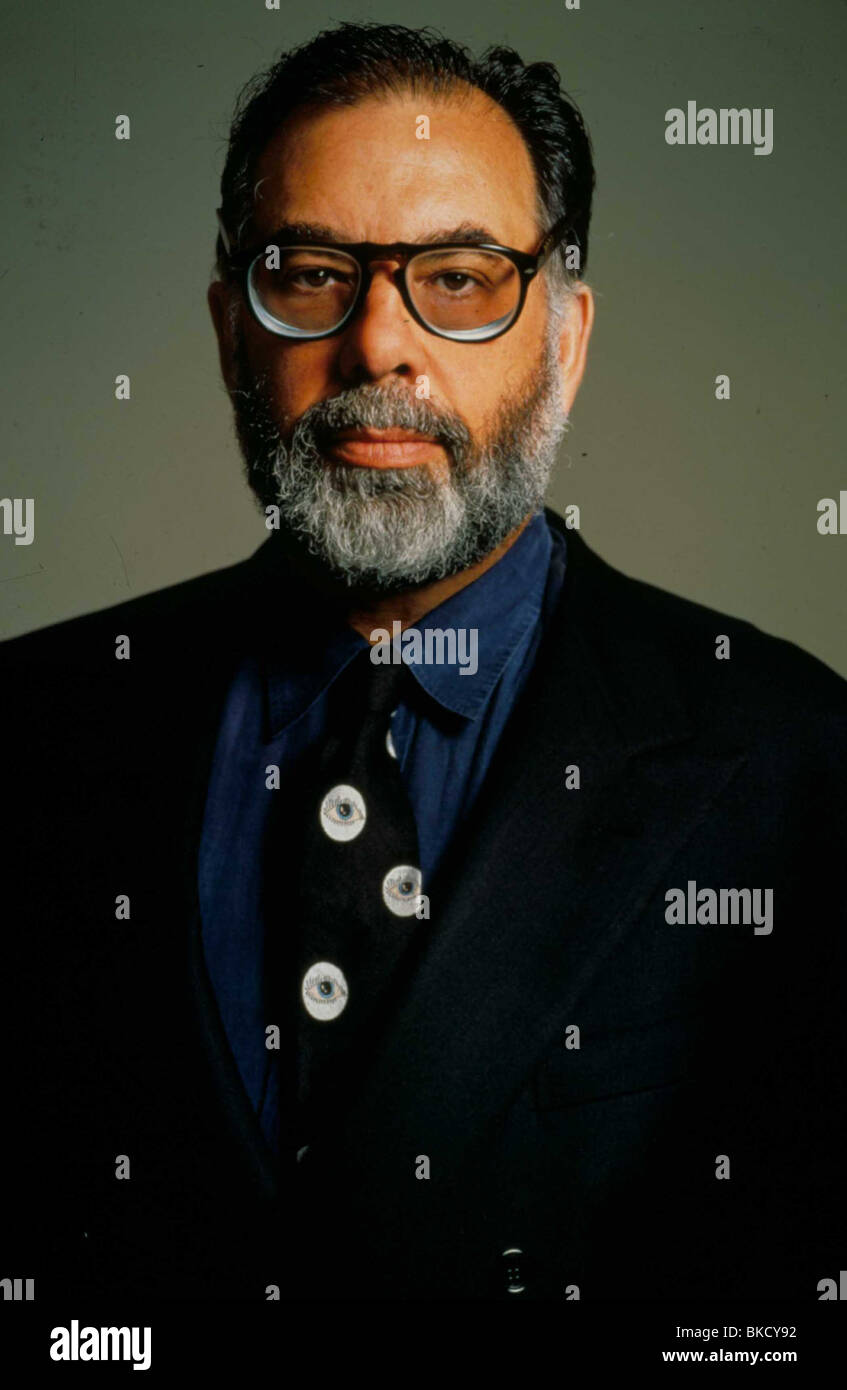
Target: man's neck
[(406, 608)]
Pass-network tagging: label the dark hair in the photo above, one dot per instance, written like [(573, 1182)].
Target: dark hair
[(349, 63)]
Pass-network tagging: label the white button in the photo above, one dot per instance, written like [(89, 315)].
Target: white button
[(343, 813), (389, 743), (324, 990), (514, 1283), (401, 889)]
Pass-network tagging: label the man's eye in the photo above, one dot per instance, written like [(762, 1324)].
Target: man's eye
[(314, 278), (455, 281)]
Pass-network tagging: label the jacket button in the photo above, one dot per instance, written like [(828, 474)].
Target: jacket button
[(513, 1259)]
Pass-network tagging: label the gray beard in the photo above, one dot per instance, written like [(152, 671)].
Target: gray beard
[(384, 530)]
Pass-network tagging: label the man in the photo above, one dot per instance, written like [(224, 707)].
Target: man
[(342, 970)]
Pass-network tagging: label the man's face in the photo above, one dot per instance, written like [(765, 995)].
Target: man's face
[(315, 418)]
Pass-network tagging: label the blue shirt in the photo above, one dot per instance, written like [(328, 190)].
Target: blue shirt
[(275, 714)]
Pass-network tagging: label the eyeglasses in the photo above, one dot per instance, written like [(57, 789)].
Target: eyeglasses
[(468, 292)]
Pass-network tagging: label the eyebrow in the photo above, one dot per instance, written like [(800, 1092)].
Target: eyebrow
[(321, 232)]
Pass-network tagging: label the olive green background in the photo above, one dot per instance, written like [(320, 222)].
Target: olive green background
[(704, 261)]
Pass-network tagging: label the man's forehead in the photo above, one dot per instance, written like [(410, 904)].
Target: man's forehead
[(404, 167)]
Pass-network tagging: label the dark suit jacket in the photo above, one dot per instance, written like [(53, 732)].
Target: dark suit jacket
[(598, 1163)]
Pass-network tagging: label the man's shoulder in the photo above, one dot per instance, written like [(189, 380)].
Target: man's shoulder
[(723, 669), (169, 616)]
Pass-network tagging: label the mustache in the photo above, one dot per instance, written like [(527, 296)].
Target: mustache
[(382, 407)]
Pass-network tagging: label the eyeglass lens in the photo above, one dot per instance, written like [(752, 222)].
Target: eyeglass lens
[(461, 290)]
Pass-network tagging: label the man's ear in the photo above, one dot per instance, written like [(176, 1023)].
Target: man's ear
[(220, 299), (573, 342)]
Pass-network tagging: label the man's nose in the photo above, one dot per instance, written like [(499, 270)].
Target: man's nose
[(382, 339)]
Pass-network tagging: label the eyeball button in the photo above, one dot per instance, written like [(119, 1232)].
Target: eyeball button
[(343, 813), (324, 991), (401, 889)]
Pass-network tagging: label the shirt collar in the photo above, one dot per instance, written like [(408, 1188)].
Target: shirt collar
[(306, 668), (500, 607)]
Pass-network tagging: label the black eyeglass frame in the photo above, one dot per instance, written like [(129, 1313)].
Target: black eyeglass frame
[(527, 263)]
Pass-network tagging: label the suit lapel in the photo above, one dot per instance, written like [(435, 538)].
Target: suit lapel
[(220, 627), (543, 883)]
